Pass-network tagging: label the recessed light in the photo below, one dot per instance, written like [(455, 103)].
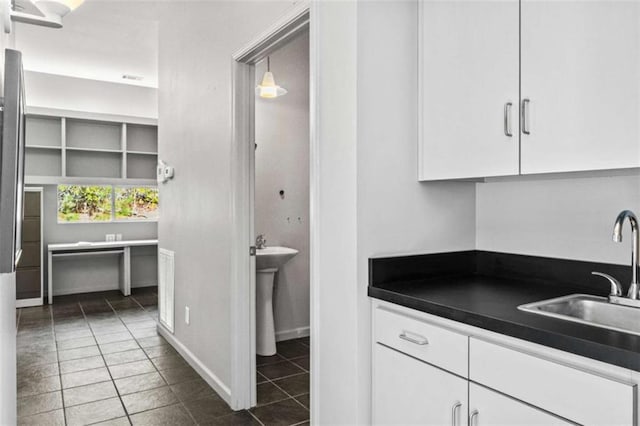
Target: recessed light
[(132, 77)]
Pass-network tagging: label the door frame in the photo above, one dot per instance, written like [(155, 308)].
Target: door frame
[(243, 291)]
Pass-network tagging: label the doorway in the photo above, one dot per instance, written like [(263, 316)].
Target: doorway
[(245, 63)]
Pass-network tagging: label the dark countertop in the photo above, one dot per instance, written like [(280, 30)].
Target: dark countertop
[(490, 301)]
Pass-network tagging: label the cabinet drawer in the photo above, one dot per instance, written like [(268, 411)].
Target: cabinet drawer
[(574, 394), (436, 345)]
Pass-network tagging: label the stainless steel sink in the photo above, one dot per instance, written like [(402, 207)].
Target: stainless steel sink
[(591, 310)]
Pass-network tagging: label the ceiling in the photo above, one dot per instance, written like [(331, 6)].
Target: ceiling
[(101, 40)]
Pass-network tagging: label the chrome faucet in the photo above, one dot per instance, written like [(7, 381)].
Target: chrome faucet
[(261, 241), (635, 247)]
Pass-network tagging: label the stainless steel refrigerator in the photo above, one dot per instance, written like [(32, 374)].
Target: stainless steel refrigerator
[(11, 214)]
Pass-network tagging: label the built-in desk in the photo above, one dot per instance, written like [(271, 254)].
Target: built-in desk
[(100, 248)]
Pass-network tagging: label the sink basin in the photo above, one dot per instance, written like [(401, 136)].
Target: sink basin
[(273, 257), (591, 310)]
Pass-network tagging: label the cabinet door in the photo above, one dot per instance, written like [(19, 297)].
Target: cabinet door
[(469, 71), (489, 408), (410, 392), (581, 72)]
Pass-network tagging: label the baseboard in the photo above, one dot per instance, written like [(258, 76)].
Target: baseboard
[(144, 284), (26, 303), (222, 390), (294, 333), (68, 291)]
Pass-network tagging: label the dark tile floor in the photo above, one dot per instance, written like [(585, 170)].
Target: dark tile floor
[(98, 359)]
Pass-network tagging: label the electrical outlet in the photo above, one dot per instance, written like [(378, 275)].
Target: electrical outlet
[(187, 315), (110, 237)]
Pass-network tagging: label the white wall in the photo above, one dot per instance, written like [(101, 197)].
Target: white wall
[(282, 163), (7, 309), (565, 217), (396, 213), (197, 40), (79, 94)]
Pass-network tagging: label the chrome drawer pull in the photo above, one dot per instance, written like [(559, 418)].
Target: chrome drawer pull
[(473, 419), (525, 117), (417, 339), (507, 119), (454, 413)]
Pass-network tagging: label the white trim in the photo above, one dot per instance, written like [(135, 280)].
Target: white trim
[(243, 363), (63, 180), (35, 111), (208, 375), (294, 333), (289, 24), (27, 303), (314, 213), (421, 173)]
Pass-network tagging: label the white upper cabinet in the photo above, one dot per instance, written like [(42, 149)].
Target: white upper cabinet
[(468, 88), (570, 68), (581, 72)]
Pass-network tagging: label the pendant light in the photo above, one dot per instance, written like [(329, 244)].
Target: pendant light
[(268, 88), (46, 13)]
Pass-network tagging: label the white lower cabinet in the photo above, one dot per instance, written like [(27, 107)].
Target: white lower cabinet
[(489, 408), (407, 391), (430, 371)]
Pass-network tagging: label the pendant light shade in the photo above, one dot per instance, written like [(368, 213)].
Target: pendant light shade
[(46, 13), (57, 8), (268, 87)]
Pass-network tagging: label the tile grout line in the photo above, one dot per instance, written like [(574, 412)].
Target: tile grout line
[(284, 391), (55, 342), (154, 367), (113, 382), (255, 417), (160, 373)]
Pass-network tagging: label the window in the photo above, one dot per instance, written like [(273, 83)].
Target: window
[(136, 203), (84, 203), (94, 203)]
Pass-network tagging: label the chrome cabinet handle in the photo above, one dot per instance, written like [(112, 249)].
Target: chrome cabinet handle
[(507, 119), (525, 116), (454, 413), (473, 418), (418, 340)]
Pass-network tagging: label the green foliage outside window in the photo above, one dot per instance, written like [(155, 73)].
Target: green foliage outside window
[(84, 203), (136, 203)]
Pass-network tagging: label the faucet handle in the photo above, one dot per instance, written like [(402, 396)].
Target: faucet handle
[(616, 287)]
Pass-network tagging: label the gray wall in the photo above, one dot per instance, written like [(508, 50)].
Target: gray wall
[(100, 273), (396, 213), (565, 217), (73, 275), (282, 163), (196, 45), (80, 94)]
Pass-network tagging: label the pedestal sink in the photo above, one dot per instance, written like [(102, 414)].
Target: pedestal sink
[(268, 260)]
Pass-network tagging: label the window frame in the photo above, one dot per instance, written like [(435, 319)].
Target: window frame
[(113, 219)]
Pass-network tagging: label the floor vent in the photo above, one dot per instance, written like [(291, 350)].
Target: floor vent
[(166, 277)]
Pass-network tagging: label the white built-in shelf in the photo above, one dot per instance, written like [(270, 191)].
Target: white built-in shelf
[(74, 147), (70, 180), (142, 153), (43, 147)]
